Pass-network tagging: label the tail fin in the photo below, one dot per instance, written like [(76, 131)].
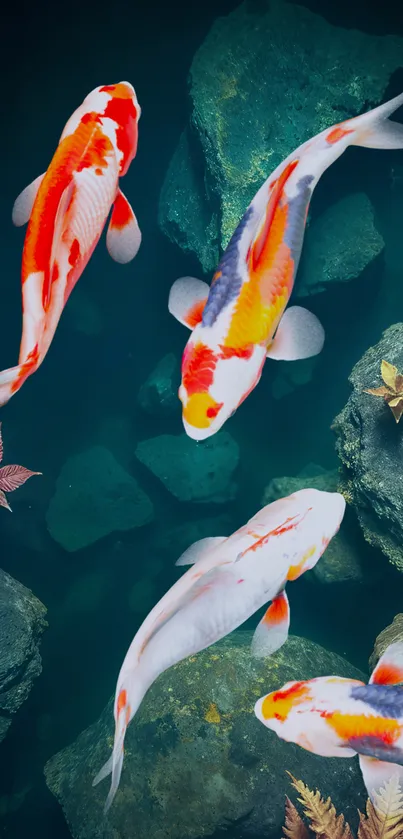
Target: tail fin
[(374, 130), (389, 670), (8, 378)]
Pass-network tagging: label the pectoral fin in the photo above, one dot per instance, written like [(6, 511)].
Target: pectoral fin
[(23, 204), (272, 631), (199, 550), (123, 237), (187, 300), (299, 335), (389, 670), (377, 773)]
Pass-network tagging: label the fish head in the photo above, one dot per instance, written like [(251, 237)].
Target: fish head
[(313, 518), (300, 711), (214, 383), (116, 108)]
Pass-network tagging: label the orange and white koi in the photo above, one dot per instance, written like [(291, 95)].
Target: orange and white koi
[(66, 210), (336, 717), (242, 319), (230, 579)]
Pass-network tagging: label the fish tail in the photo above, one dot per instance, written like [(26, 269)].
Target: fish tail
[(378, 773), (8, 382), (374, 130), (128, 701)]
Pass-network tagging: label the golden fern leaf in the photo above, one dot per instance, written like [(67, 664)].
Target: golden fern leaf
[(294, 826), (321, 814), (384, 819)]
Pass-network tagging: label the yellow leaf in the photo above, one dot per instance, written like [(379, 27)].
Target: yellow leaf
[(396, 406), (389, 373), (385, 819), (322, 816), (378, 391)]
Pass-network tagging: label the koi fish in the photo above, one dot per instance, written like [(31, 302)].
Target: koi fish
[(229, 580), (336, 717), (66, 209), (242, 319)]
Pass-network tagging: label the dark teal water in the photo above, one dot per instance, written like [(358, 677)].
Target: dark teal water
[(52, 56)]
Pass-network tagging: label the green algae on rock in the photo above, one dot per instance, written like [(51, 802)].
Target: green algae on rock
[(95, 496), (22, 621), (370, 446), (197, 757), (193, 471), (249, 109)]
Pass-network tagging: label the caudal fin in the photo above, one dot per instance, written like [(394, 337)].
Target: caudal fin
[(8, 380), (377, 774), (374, 130)]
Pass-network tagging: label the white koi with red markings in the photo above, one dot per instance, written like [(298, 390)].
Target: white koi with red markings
[(242, 319), (230, 579), (66, 210)]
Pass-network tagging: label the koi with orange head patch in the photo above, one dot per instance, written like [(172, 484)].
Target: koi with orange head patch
[(336, 717), (66, 210), (229, 579), (242, 318)]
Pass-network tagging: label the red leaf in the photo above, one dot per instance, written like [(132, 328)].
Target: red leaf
[(4, 502), (1, 445), (12, 477)]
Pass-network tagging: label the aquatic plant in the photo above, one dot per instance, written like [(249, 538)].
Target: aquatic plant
[(11, 477), (383, 820), (393, 392)]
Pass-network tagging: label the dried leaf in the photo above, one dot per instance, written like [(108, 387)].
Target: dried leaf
[(4, 502), (321, 814), (385, 819), (12, 477), (294, 826), (389, 373), (396, 406), (399, 383), (379, 391)]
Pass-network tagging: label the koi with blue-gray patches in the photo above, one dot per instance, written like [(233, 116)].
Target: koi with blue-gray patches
[(386, 700), (227, 283)]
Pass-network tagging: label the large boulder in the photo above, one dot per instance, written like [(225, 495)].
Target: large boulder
[(95, 496), (193, 471), (370, 446), (342, 560), (340, 243), (249, 109), (196, 757), (22, 621)]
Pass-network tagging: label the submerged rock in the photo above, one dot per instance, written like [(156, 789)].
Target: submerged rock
[(22, 621), (370, 445), (193, 471), (341, 561), (95, 496), (249, 109), (159, 393), (392, 633), (339, 245), (197, 758)]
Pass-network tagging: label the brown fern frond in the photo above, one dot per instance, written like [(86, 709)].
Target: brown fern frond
[(322, 816), (384, 819), (294, 826)]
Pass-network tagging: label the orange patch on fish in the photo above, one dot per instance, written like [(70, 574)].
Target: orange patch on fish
[(26, 368), (279, 704), (348, 726), (237, 352), (289, 524), (277, 611), (122, 700), (295, 571), (195, 313), (122, 110), (198, 369), (338, 133), (121, 214), (277, 189)]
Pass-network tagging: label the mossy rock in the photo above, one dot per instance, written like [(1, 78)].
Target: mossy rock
[(196, 756)]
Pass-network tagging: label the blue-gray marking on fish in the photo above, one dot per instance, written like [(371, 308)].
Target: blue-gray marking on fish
[(227, 286), (295, 229), (376, 747), (386, 700)]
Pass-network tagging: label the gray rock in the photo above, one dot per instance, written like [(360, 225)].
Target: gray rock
[(159, 393), (389, 635), (342, 560), (95, 496), (197, 758), (193, 471), (340, 244), (370, 446), (22, 621), (249, 110)]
